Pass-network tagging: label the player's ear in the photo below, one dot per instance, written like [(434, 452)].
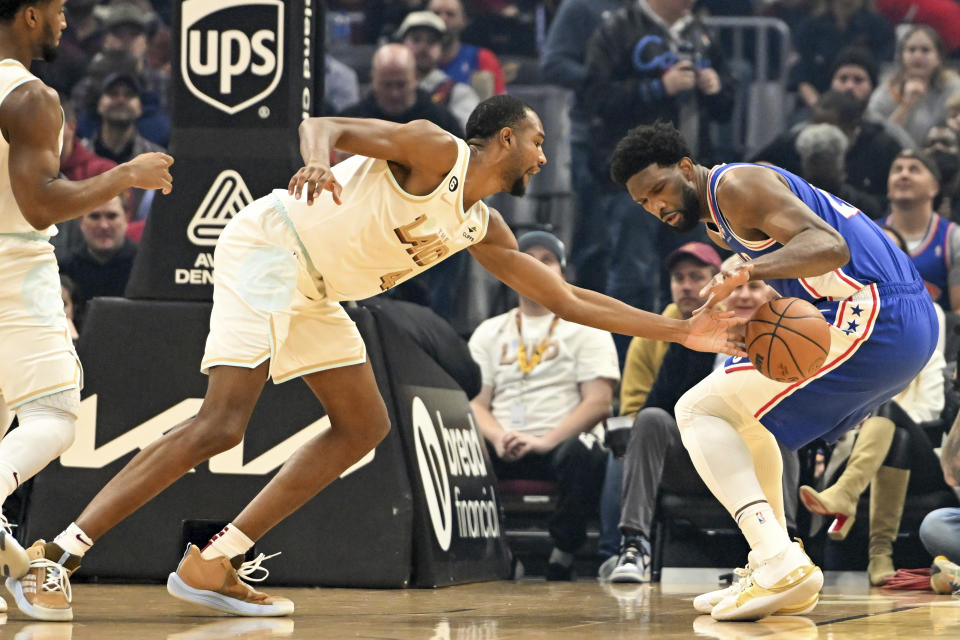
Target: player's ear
[(686, 167), (506, 136)]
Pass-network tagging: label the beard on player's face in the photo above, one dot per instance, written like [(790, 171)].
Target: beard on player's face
[(690, 211)]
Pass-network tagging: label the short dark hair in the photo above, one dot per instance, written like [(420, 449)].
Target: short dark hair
[(495, 113), (658, 143), (856, 57), (9, 8)]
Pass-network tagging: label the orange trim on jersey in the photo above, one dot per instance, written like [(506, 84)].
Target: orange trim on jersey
[(61, 386), (715, 214), (846, 355), (216, 362)]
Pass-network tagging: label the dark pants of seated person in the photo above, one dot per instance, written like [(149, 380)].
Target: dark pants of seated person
[(577, 466), (655, 446)]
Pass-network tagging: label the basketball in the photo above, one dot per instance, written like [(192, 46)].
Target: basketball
[(787, 339)]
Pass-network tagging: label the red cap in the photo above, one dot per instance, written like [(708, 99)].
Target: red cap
[(698, 251)]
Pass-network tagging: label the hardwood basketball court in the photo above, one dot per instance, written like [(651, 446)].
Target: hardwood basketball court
[(525, 609)]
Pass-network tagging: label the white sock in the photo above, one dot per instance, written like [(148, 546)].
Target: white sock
[(762, 530), (230, 542), (723, 461), (560, 557), (73, 540)]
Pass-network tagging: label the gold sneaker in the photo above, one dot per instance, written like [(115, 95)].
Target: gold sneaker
[(944, 576), (44, 592), (788, 583), (220, 584)]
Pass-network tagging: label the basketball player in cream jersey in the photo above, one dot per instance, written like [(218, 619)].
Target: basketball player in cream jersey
[(409, 198), (40, 376)]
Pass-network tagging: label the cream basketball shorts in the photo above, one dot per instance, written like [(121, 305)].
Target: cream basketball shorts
[(269, 303), (37, 357)]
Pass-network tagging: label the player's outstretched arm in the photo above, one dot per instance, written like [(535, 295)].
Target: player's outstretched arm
[(499, 255), (419, 145), (30, 119)]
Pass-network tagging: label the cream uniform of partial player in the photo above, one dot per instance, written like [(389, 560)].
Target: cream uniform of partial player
[(38, 358), (281, 267)]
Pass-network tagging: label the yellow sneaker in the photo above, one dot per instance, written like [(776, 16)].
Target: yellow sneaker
[(787, 582), (44, 592), (944, 576), (219, 584)]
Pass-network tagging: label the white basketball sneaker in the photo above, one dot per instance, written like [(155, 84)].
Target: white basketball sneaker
[(787, 582)]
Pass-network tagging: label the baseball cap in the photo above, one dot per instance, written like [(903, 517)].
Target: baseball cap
[(116, 78), (421, 20), (544, 239), (123, 13), (698, 251), (924, 158)]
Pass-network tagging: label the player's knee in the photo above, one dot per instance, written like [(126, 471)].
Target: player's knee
[(375, 432), (56, 416), (213, 436), (686, 410)]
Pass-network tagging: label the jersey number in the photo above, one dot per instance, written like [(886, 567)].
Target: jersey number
[(425, 250), (845, 209)]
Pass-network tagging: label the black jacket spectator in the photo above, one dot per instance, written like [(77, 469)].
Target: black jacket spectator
[(626, 58)]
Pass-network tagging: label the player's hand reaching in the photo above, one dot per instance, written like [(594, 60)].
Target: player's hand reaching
[(151, 171), (723, 284), (316, 178), (715, 331)]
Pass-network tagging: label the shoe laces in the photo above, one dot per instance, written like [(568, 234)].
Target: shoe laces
[(744, 577), (56, 577), (248, 568), (5, 524)]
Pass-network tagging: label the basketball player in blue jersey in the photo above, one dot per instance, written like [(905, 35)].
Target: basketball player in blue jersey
[(408, 198), (40, 375), (807, 243)]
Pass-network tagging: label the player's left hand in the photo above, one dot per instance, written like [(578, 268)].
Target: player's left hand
[(714, 331), (723, 284), (316, 177)]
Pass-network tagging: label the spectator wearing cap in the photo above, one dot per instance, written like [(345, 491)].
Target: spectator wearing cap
[(546, 384), (654, 444), (394, 95), (118, 139), (464, 62), (933, 242), (119, 108), (423, 31), (129, 28)]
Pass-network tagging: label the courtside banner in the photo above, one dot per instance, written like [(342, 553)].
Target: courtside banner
[(458, 535), (141, 361)]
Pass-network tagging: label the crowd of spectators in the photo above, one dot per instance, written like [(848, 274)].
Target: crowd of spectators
[(875, 119)]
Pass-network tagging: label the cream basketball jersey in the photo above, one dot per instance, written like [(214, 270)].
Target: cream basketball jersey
[(381, 236), (12, 75)]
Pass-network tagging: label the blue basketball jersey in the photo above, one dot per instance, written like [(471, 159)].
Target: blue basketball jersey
[(883, 325), (932, 258), (874, 259)]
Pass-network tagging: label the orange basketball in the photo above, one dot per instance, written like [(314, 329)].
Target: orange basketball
[(787, 339)]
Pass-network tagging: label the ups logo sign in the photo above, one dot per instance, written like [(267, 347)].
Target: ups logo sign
[(231, 51)]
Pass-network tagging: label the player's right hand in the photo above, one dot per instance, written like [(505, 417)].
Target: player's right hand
[(316, 177), (722, 285), (151, 171)]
